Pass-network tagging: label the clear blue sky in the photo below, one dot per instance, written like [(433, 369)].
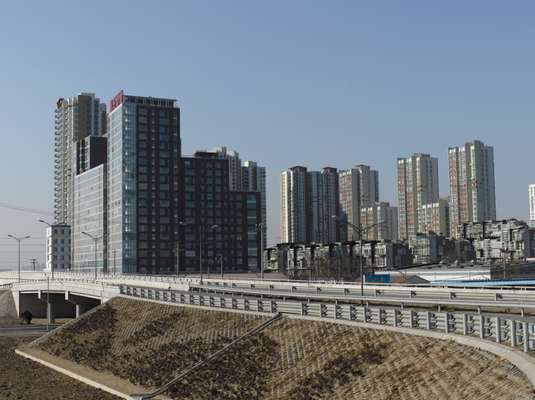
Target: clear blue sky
[(300, 82)]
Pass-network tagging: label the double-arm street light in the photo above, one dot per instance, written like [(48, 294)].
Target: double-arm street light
[(19, 239), (95, 242), (202, 232), (46, 247), (360, 230)]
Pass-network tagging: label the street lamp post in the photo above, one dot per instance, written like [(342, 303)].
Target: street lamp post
[(360, 230), (180, 223), (95, 240), (46, 247), (202, 232), (260, 228), (19, 239)]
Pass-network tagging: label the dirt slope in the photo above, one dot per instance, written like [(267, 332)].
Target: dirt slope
[(292, 360), (22, 379)]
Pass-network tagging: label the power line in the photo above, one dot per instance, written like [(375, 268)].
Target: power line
[(25, 209)]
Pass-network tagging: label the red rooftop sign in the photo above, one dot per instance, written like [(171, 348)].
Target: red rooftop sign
[(116, 101)]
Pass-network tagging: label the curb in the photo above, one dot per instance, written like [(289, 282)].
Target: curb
[(70, 374)]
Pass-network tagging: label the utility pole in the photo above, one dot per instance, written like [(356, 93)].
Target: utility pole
[(221, 259), (19, 240), (33, 261), (114, 261)]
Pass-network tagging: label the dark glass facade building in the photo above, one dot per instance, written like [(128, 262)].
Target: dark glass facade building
[(161, 205), (217, 220)]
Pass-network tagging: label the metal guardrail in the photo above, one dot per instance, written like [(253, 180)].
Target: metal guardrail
[(510, 330), (194, 277), (491, 298)]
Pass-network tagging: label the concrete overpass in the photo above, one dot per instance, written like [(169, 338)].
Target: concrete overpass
[(71, 294)]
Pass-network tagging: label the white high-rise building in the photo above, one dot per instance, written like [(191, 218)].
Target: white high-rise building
[(472, 187), (75, 118), (254, 180), (358, 188), (532, 205), (234, 165), (417, 185), (293, 205)]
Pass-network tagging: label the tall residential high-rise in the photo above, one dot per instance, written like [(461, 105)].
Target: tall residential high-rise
[(417, 185), (75, 118), (331, 205), (472, 187), (358, 188), (531, 192), (234, 164), (369, 185), (382, 220), (314, 218), (323, 203), (293, 205), (254, 180), (145, 185)]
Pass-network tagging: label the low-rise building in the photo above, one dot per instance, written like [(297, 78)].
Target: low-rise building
[(499, 240), (427, 248), (336, 260), (58, 247)]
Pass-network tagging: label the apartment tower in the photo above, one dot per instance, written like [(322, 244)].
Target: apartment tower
[(472, 187), (293, 205), (417, 185), (358, 188), (75, 118)]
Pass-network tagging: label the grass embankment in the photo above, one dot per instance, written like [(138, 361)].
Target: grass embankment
[(148, 343)]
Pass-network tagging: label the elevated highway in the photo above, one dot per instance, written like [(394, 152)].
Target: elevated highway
[(74, 293)]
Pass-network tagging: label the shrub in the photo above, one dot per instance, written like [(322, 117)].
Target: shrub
[(27, 317)]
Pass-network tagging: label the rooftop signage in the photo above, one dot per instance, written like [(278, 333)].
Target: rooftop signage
[(116, 101)]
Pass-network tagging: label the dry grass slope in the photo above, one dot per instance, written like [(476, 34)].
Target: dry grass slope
[(292, 360)]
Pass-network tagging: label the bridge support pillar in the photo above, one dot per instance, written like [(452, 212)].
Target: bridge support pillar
[(50, 313), (481, 326), (525, 336), (513, 333), (498, 329)]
